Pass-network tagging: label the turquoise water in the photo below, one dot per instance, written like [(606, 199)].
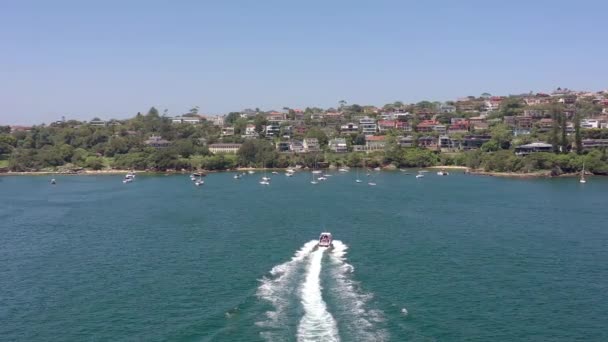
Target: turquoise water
[(438, 259)]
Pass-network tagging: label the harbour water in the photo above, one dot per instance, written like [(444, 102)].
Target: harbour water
[(434, 259)]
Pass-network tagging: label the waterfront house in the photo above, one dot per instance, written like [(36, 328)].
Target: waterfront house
[(447, 109), (471, 142), (407, 141), (274, 116), (338, 145), (296, 146), (428, 142), (385, 125), (594, 143), (156, 142), (98, 123), (446, 144), (250, 131), (311, 145), (524, 150), (283, 146), (272, 130), (403, 126), (375, 141), (368, 125), (193, 120), (426, 125), (590, 123), (224, 148), (227, 131), (349, 128)]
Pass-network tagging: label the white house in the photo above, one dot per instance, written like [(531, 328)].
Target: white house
[(368, 125)]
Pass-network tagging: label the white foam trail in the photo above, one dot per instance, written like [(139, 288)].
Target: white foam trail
[(363, 321), (277, 288), (318, 324)]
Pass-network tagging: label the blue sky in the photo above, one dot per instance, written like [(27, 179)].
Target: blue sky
[(114, 58)]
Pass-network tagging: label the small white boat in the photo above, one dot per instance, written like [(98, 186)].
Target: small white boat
[(322, 178), (263, 182), (266, 179), (326, 175), (289, 174), (316, 172), (274, 173), (237, 176), (420, 175), (371, 183), (343, 169), (53, 181), (377, 169), (290, 170), (359, 181), (443, 173), (325, 240), (127, 180), (130, 175), (199, 182), (314, 182), (251, 172)]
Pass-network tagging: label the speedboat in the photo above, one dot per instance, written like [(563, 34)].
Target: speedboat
[(343, 169), (443, 173), (266, 179), (53, 181), (289, 174), (371, 183), (237, 176), (274, 173), (420, 175), (314, 182), (359, 181), (127, 180), (322, 178), (251, 172), (265, 182), (326, 175), (325, 240), (199, 182), (316, 172)]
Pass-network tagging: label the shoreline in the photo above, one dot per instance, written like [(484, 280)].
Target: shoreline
[(466, 170)]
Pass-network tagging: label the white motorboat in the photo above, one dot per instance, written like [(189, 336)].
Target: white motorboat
[(314, 182), (326, 175), (343, 169), (274, 173), (289, 174), (53, 181), (377, 169), (316, 172), (265, 182), (359, 181), (251, 172), (267, 179), (290, 170), (420, 175), (325, 240), (371, 183), (127, 180), (199, 182), (443, 173), (322, 178)]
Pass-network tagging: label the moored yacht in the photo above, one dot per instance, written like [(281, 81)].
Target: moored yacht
[(443, 173)]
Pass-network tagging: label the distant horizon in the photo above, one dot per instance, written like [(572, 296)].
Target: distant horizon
[(113, 59)]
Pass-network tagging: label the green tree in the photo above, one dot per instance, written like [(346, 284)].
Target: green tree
[(578, 141)]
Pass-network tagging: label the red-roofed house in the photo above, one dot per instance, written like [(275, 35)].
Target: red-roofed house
[(373, 142), (276, 116), (385, 125), (426, 125)]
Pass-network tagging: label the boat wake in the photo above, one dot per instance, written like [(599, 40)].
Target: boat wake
[(278, 290), (363, 323), (294, 288), (317, 324)]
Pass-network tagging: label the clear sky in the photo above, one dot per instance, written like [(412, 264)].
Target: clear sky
[(114, 58)]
